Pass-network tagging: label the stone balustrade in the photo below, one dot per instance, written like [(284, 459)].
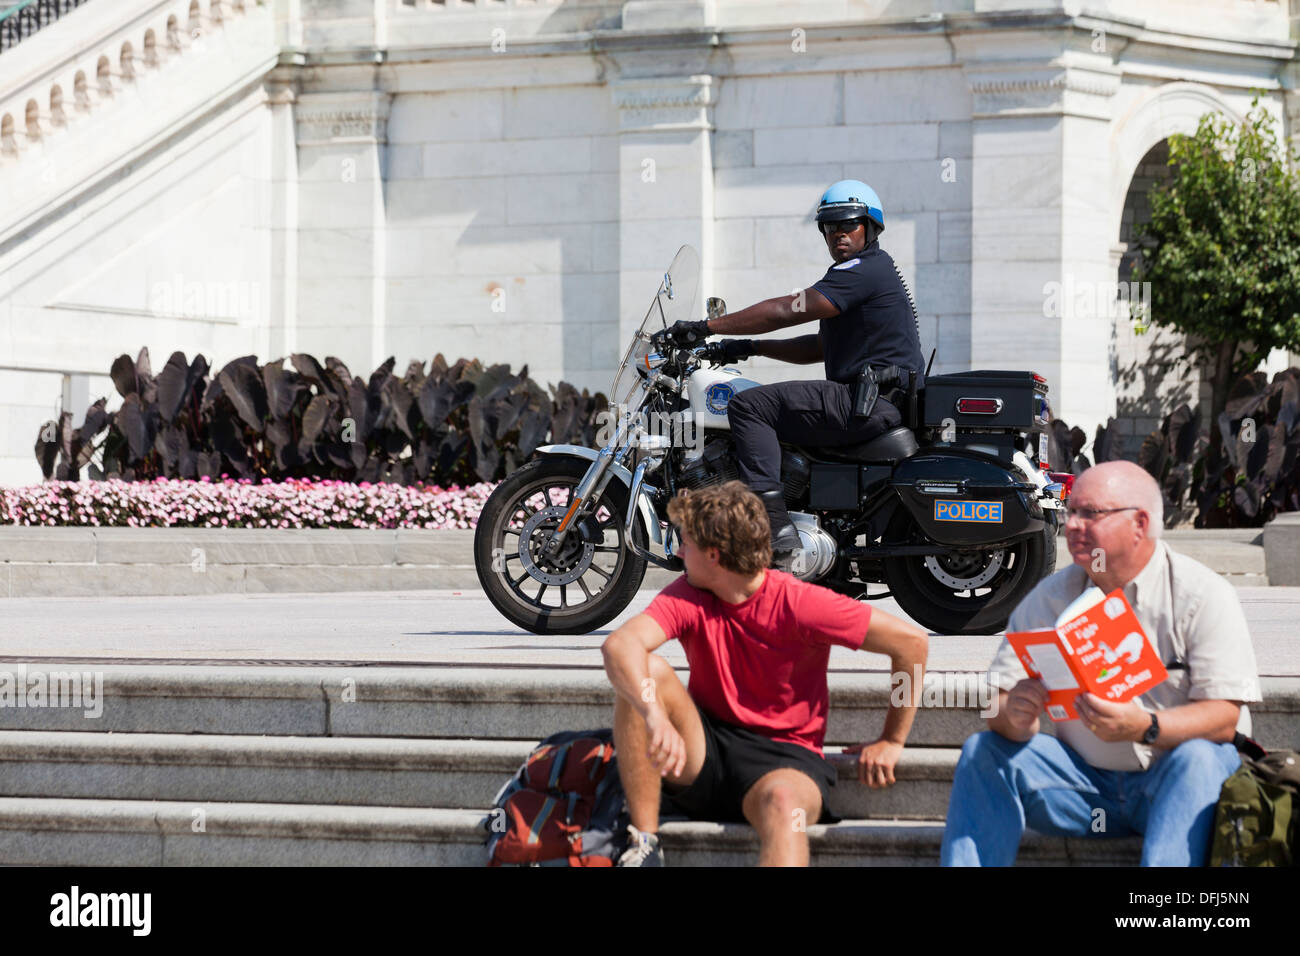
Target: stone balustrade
[(20, 19), (48, 86)]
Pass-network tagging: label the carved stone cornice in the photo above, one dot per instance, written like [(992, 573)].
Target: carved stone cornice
[(322, 118), (1064, 80), (1058, 90), (282, 85), (670, 102)]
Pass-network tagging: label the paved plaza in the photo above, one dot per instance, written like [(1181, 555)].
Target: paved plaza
[(438, 627)]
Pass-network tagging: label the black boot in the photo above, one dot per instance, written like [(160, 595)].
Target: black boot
[(785, 537)]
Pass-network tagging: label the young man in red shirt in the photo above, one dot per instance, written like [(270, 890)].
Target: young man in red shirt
[(745, 741)]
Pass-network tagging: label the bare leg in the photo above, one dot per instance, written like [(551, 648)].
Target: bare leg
[(641, 781), (780, 806)]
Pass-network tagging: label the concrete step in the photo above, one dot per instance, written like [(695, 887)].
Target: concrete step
[(395, 772), (478, 702), (61, 832), (80, 561), (63, 562)]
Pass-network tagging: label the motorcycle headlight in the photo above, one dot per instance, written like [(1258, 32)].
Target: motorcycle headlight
[(649, 363)]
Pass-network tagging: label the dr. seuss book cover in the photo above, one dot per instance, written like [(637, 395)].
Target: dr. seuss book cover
[(1097, 646)]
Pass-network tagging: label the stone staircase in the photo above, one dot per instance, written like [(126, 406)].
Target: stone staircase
[(348, 765)]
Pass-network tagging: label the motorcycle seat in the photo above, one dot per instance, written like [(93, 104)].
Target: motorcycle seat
[(894, 445)]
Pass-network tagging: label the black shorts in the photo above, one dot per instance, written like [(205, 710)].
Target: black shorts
[(735, 758)]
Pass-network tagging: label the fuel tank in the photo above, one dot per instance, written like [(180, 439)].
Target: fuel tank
[(710, 390)]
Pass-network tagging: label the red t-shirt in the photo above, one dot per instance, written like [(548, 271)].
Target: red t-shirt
[(761, 664)]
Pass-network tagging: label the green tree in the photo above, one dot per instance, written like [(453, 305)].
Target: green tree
[(1222, 247)]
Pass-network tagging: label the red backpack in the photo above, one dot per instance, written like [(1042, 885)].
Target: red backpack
[(565, 806)]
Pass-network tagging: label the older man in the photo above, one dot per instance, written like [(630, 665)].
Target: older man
[(1153, 765)]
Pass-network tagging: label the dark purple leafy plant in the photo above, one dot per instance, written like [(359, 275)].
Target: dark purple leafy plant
[(1244, 475), (455, 424)]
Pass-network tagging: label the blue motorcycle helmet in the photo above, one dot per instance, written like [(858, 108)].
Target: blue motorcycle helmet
[(850, 199)]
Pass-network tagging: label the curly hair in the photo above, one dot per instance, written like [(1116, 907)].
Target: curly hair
[(728, 517)]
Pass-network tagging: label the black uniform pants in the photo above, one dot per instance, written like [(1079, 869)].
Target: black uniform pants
[(811, 414)]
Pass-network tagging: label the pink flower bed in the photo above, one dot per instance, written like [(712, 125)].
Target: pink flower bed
[(306, 503)]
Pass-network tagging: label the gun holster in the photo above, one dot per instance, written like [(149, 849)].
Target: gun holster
[(868, 390), (867, 393)]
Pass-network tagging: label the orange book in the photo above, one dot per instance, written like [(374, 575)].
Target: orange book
[(1102, 651)]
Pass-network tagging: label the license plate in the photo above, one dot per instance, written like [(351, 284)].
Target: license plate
[(1042, 449)]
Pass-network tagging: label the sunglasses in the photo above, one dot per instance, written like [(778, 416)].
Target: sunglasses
[(844, 225)]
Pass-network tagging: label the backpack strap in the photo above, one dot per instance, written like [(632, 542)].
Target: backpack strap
[(535, 830), (610, 781), (599, 763), (1249, 747), (557, 765)]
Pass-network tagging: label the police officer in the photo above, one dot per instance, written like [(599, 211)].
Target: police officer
[(865, 319)]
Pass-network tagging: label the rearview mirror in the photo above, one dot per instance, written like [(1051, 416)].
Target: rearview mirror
[(715, 307)]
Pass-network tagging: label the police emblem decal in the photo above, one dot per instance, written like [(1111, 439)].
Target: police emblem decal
[(716, 397)]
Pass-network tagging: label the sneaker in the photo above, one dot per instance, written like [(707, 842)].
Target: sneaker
[(642, 849)]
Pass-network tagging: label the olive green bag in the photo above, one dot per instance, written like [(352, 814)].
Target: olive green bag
[(1255, 821)]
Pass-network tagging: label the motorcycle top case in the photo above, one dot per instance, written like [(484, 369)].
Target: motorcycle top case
[(963, 498), (1020, 399)]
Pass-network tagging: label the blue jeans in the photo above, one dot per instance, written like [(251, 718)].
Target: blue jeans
[(1000, 787)]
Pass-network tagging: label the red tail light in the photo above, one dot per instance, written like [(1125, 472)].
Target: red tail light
[(979, 406), (1064, 478)]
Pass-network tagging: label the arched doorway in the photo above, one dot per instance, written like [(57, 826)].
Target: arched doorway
[(1152, 376)]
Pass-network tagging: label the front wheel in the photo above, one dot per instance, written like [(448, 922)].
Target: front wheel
[(574, 592), (965, 592)]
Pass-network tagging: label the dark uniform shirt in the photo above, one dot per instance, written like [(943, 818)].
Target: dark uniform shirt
[(875, 325)]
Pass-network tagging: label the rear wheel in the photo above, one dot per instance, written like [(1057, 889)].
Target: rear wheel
[(574, 592), (966, 592)]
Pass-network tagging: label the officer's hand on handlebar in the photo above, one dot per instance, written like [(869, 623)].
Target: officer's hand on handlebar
[(681, 334), (728, 350)]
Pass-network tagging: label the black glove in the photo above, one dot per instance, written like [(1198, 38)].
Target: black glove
[(728, 350), (681, 333)]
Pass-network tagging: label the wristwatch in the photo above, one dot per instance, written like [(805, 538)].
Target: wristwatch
[(1153, 731)]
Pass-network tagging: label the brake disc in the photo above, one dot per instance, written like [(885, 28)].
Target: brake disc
[(566, 567), (964, 572)]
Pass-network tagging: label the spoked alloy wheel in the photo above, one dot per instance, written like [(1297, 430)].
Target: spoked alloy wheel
[(965, 592), (966, 570), (586, 584)]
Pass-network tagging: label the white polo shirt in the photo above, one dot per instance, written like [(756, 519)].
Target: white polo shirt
[(1191, 616)]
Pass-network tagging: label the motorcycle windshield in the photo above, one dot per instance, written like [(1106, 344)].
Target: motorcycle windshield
[(674, 302)]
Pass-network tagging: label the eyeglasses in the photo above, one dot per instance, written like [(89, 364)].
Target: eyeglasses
[(844, 225), (1092, 514)]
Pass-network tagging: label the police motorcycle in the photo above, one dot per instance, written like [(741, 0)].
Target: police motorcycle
[(954, 512)]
